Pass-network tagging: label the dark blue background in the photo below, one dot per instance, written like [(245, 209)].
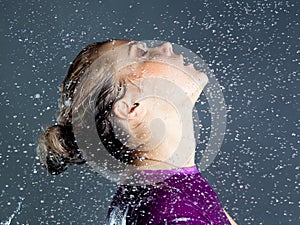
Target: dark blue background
[(253, 48)]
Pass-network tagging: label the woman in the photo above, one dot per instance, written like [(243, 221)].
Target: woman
[(136, 86)]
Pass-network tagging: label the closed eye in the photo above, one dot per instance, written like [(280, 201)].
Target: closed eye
[(141, 52), (138, 49)]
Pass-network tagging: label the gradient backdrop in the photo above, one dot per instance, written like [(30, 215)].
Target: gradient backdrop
[(253, 48)]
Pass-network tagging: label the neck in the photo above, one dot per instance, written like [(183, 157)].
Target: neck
[(176, 148)]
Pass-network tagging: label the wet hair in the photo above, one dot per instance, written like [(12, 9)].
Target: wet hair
[(57, 147)]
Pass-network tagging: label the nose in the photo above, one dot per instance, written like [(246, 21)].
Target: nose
[(166, 48)]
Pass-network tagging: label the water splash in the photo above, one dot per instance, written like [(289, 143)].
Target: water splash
[(18, 210)]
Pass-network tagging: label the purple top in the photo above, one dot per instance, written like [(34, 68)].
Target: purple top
[(185, 197)]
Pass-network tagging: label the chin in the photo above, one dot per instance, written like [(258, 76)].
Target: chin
[(195, 95), (203, 79)]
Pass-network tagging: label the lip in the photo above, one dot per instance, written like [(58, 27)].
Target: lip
[(180, 56), (188, 64)]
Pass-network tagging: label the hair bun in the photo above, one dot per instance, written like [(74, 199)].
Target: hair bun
[(57, 148)]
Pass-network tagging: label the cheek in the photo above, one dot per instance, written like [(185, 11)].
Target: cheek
[(147, 69), (178, 79)]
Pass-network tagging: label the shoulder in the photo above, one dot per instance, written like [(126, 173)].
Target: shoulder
[(190, 190), (174, 206), (170, 207)]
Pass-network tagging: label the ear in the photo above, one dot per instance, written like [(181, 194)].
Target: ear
[(137, 111), (124, 111)]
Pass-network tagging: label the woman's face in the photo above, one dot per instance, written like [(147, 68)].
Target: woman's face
[(136, 62), (165, 89)]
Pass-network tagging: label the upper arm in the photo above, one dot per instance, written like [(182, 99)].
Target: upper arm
[(184, 213), (182, 221)]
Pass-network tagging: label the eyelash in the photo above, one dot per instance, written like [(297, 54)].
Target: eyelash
[(144, 52)]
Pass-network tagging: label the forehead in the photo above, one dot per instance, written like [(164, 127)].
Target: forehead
[(116, 51)]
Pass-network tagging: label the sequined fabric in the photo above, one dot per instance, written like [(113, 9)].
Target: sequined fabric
[(185, 197)]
